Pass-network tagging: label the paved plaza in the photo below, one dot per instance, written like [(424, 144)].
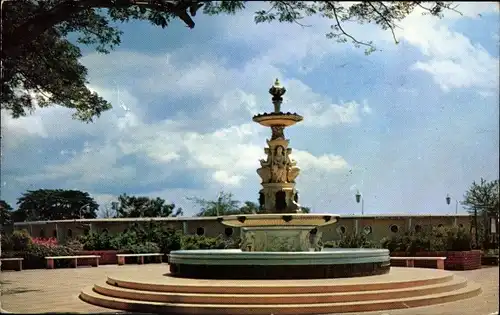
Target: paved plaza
[(38, 291)]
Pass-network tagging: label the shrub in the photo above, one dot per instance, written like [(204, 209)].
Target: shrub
[(123, 240), (170, 240), (351, 241), (34, 256), (96, 241), (148, 247), (7, 244), (202, 242), (21, 240), (230, 243), (458, 240), (74, 244), (435, 239)]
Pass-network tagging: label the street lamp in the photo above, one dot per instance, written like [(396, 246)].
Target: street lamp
[(218, 202), (448, 199), (359, 198)]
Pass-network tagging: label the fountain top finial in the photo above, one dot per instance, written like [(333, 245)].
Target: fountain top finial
[(277, 91)]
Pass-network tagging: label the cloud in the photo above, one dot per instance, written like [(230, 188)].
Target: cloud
[(230, 152), (327, 162), (453, 60)]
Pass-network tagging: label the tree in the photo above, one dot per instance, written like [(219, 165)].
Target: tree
[(226, 205), (249, 207), (5, 214), (55, 204), (482, 200), (41, 67), (223, 205), (139, 207)]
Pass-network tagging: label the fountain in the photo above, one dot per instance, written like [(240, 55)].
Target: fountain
[(281, 266), (281, 243)]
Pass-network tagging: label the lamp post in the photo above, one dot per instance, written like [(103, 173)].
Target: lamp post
[(448, 199), (359, 198), (218, 202)]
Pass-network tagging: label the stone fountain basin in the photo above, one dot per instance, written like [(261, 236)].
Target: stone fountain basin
[(327, 256), (237, 264), (279, 220)]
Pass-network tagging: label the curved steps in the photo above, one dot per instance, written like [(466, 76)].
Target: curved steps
[(434, 287), (302, 298), (397, 278)]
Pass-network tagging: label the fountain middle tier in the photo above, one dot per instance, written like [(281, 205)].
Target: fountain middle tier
[(293, 232)]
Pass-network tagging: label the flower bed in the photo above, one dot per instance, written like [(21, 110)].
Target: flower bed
[(455, 260)]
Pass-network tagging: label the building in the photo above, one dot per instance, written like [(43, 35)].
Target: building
[(374, 226)]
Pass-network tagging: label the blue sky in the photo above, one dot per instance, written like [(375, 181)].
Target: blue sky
[(405, 125)]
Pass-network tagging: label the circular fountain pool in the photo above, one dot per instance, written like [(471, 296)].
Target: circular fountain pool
[(237, 264)]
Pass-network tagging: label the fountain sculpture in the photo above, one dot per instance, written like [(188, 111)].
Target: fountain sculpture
[(282, 242)]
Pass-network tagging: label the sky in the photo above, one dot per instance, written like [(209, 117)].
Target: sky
[(405, 126)]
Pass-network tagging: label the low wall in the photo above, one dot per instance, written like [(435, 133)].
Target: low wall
[(455, 260)]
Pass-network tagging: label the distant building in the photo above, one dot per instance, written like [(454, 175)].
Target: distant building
[(374, 226)]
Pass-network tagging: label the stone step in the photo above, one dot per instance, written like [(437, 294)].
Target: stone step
[(293, 298), (398, 278), (90, 296)]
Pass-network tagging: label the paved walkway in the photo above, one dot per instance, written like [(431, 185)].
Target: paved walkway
[(57, 290)]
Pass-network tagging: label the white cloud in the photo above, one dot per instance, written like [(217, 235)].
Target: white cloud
[(230, 153), (29, 125), (452, 59), (327, 162), (329, 115), (224, 178)]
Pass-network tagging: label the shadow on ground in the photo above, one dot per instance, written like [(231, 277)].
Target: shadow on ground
[(18, 291)]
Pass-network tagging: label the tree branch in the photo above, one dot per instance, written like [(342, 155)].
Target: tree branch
[(387, 22), (334, 10), (288, 6), (34, 27)]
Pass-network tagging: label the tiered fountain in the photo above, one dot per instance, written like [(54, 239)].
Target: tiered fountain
[(282, 243), (281, 267)]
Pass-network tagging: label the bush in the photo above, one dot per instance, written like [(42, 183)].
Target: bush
[(123, 240), (134, 239), (155, 238), (96, 241), (21, 240), (7, 244), (435, 239), (170, 240), (458, 240), (202, 242), (148, 247), (74, 244), (34, 256), (351, 241)]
